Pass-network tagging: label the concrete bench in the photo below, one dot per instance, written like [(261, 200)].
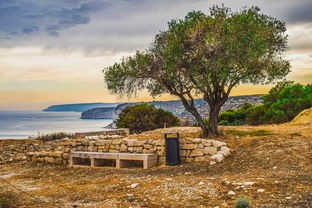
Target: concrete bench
[(113, 160)]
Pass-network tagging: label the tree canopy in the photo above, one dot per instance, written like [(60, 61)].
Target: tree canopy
[(206, 55)]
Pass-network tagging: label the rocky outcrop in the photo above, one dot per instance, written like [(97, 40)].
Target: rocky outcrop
[(99, 113)]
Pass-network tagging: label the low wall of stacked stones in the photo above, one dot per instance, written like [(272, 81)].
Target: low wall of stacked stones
[(58, 151)]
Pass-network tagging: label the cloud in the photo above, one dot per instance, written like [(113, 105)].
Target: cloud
[(26, 17), (299, 13)]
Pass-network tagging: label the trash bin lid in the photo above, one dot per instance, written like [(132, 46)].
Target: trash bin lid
[(171, 135)]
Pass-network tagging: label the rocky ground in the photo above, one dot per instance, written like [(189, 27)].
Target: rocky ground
[(270, 165)]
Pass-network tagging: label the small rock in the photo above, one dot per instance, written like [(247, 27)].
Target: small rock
[(212, 163), (231, 193), (168, 179), (134, 185), (201, 183), (129, 195), (288, 197), (260, 190), (274, 168), (249, 183), (187, 173), (217, 157)]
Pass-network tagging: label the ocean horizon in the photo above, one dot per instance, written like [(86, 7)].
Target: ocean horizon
[(25, 124)]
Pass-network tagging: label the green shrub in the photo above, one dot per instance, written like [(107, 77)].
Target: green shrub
[(53, 136), (242, 203), (206, 122), (255, 115), (234, 117), (282, 104), (290, 101), (145, 117)]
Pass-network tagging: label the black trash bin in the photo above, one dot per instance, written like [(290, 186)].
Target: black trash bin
[(172, 148)]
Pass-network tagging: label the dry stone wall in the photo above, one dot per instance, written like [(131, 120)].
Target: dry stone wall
[(16, 150), (58, 152)]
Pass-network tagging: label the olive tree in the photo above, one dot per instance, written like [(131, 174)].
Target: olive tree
[(206, 55)]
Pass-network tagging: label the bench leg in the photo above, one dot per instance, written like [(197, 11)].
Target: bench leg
[(145, 164), (118, 163), (92, 162)]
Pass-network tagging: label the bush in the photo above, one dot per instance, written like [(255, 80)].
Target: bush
[(291, 101), (255, 115), (282, 104), (53, 136), (145, 117), (234, 117), (242, 203)]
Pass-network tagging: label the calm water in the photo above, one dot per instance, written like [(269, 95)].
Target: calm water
[(18, 124)]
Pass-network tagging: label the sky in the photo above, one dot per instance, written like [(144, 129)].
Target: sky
[(53, 52)]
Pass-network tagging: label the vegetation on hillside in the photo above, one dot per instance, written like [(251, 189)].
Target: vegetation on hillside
[(206, 55), (143, 117), (281, 105), (53, 136)]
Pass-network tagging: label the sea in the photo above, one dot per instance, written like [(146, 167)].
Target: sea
[(26, 124)]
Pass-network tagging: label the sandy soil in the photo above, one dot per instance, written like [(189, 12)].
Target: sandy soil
[(271, 165)]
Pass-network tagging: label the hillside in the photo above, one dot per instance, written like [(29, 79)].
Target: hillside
[(177, 108), (271, 165), (78, 107), (98, 113)]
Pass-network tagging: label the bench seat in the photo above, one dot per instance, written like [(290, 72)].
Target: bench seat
[(108, 159)]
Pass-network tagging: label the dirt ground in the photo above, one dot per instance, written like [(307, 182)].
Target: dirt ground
[(270, 165)]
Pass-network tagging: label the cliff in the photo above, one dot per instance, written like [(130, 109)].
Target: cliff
[(99, 113)]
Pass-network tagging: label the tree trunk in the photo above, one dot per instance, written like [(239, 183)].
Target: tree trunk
[(213, 120), (192, 110), (202, 125)]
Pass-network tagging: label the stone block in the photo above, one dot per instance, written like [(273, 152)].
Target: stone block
[(197, 153), (138, 149), (189, 159), (116, 142), (217, 157), (207, 158), (187, 146), (199, 159), (147, 146), (123, 148), (224, 150), (210, 150), (184, 153), (207, 142), (200, 146), (218, 143), (159, 142)]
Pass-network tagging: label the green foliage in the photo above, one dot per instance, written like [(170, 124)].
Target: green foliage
[(242, 203), (207, 55), (282, 104), (255, 115), (145, 117), (234, 117), (291, 100), (53, 136), (8, 199), (205, 120)]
